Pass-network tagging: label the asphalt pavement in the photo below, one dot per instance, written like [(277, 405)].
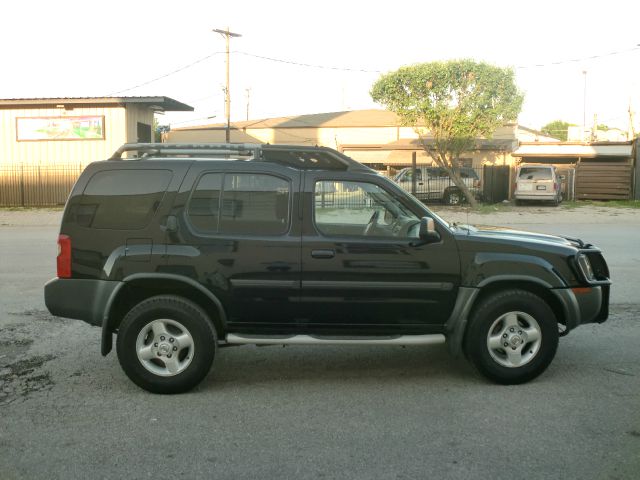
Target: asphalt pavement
[(315, 412)]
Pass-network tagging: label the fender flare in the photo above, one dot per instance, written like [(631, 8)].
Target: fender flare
[(107, 330), (456, 324)]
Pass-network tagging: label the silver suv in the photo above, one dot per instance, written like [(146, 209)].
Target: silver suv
[(538, 183), (434, 183)]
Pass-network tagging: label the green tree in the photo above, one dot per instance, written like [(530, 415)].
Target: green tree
[(557, 129), (158, 130), (455, 102)]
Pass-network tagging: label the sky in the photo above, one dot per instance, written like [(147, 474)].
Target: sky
[(73, 49)]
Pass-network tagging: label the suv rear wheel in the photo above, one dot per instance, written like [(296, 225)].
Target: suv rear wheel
[(512, 337), (166, 344)]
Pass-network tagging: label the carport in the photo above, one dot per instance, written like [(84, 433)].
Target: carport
[(593, 171)]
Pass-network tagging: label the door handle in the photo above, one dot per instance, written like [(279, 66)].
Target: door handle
[(323, 253)]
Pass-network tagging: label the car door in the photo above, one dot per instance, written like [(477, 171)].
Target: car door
[(405, 180), (241, 240), (363, 268)]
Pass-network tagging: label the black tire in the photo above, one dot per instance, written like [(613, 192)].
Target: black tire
[(493, 319), (190, 361), (453, 197)]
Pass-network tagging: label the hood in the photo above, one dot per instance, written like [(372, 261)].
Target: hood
[(507, 234)]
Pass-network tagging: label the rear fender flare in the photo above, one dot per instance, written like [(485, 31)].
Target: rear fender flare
[(107, 326)]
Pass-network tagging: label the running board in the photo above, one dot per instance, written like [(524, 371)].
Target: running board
[(236, 339)]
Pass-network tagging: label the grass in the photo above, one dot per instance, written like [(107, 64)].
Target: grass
[(488, 208), (54, 208), (601, 203)]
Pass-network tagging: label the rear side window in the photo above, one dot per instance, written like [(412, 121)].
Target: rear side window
[(121, 199), (240, 203), (535, 173), (204, 206)]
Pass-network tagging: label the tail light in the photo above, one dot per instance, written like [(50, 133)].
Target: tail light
[(64, 256)]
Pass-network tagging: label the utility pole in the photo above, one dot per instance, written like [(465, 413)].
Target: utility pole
[(584, 107), (227, 104), (248, 90)]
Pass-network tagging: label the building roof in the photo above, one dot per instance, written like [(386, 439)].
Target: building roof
[(505, 145), (356, 118), (573, 150), (165, 104)]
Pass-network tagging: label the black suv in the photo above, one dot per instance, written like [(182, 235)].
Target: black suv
[(186, 248)]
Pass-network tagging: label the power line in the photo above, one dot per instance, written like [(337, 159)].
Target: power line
[(167, 74), (196, 100), (191, 120), (582, 59), (359, 70), (308, 65)]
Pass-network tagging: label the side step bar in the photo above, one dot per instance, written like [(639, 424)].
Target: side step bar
[(236, 339)]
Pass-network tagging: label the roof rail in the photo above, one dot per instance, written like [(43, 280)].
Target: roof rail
[(296, 156), (248, 149)]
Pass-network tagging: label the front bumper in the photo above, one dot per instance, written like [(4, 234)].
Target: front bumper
[(584, 305), (80, 299)]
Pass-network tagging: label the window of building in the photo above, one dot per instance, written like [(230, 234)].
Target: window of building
[(144, 132)]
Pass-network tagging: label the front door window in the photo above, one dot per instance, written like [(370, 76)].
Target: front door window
[(361, 209)]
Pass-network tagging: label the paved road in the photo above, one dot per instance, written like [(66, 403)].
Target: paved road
[(314, 412)]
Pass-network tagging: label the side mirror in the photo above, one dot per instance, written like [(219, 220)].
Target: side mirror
[(427, 232)]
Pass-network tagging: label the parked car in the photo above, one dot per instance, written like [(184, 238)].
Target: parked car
[(186, 249), (538, 183), (434, 183)]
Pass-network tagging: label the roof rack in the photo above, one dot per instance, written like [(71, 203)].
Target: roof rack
[(296, 156), (148, 149)]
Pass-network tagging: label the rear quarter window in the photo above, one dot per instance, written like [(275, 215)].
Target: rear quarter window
[(120, 199)]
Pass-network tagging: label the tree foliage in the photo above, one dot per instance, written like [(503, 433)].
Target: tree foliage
[(557, 129), (454, 102)]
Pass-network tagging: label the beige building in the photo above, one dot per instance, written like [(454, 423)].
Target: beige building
[(373, 137), (75, 131)]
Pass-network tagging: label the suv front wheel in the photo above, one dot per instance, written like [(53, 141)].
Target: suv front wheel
[(512, 337), (166, 344)]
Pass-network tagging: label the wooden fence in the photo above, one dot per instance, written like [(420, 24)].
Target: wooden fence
[(604, 181), (36, 185)]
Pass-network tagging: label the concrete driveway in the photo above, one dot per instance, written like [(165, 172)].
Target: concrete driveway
[(315, 412)]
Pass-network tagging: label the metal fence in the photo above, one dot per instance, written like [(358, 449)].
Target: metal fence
[(37, 185), (433, 184)]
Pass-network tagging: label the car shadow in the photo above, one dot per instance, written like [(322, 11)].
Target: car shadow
[(251, 365)]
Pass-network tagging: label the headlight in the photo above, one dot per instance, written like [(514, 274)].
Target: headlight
[(585, 267)]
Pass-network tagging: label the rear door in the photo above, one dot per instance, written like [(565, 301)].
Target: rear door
[(241, 240)]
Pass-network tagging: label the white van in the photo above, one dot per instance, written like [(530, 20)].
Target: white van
[(537, 182)]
